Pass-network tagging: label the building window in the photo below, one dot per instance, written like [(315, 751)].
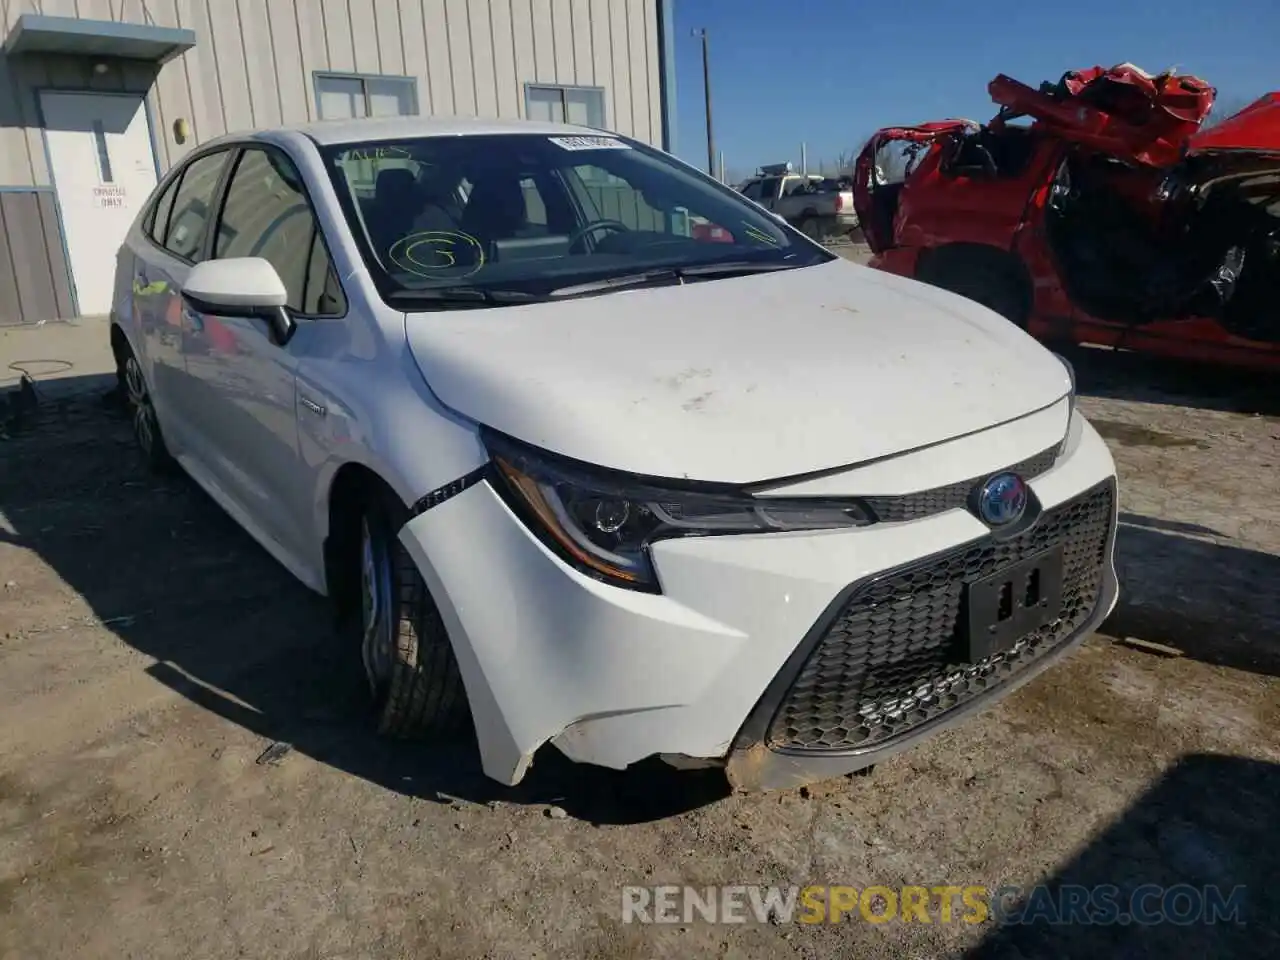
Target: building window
[(104, 156), (343, 96), (580, 105)]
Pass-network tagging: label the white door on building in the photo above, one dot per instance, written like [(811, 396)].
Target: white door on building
[(103, 169)]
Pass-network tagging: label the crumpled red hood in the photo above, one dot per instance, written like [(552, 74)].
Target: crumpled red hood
[(1121, 110)]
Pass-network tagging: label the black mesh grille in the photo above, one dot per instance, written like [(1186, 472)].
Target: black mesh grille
[(954, 496), (891, 660)]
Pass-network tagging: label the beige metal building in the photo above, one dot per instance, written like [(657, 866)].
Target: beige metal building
[(99, 97)]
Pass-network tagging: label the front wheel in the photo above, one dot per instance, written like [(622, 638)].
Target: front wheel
[(408, 660)]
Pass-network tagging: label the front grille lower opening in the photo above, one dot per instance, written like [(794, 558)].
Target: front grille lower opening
[(890, 659)]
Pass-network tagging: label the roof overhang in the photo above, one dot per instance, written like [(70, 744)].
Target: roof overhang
[(34, 33)]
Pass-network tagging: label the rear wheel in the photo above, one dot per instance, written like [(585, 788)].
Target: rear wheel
[(810, 227), (408, 660), (132, 385)]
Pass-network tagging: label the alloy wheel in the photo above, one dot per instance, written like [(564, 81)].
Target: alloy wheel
[(141, 410)]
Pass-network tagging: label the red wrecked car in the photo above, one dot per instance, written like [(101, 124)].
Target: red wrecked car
[(1093, 210)]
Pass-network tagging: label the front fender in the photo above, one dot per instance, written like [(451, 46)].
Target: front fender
[(391, 425)]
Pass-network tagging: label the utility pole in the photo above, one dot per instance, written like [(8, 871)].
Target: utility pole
[(701, 33)]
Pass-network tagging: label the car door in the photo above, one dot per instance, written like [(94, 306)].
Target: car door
[(174, 229), (249, 424), (161, 350), (881, 171)]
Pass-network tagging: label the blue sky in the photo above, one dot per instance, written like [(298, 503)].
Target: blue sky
[(830, 72)]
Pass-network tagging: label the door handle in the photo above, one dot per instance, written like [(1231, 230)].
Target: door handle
[(311, 405)]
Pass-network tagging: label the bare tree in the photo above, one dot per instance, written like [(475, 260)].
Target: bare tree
[(839, 166), (1224, 107), (845, 160)]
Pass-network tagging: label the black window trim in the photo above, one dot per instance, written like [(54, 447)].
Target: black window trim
[(220, 199)]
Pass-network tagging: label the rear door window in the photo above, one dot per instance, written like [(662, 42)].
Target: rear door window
[(617, 198), (193, 206), (158, 221)]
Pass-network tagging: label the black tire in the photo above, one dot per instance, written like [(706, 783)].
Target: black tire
[(408, 660), (136, 396), (810, 228), (989, 284)]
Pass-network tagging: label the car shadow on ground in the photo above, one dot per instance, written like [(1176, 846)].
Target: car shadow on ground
[(1204, 830), (1120, 375), (1210, 601), (174, 577)]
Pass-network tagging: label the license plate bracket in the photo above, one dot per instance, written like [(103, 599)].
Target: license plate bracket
[(1010, 603)]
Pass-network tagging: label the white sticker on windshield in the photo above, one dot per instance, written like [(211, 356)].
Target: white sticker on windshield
[(589, 143)]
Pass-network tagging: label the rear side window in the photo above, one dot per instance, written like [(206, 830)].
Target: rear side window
[(192, 206), (159, 219), (267, 214)]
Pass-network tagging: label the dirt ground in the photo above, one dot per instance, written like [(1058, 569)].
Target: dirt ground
[(150, 653)]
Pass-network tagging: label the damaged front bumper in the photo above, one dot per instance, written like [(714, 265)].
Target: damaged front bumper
[(703, 671), (756, 765)]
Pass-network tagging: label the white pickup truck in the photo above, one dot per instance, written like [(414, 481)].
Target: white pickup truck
[(820, 207)]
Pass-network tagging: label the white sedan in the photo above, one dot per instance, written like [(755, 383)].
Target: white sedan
[(574, 473)]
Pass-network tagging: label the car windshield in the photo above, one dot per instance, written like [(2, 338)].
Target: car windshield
[(526, 215)]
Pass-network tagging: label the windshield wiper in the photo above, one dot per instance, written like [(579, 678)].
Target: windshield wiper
[(446, 297), (669, 274), (454, 297), (734, 266)]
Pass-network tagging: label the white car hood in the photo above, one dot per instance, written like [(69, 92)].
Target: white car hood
[(740, 379)]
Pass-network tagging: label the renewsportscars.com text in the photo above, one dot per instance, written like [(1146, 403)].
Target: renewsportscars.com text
[(1103, 904)]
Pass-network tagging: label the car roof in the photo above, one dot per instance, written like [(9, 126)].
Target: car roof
[(326, 132)]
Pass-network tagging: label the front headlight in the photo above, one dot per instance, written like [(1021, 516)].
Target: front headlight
[(603, 522)]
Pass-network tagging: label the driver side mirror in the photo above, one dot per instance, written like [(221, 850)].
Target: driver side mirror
[(241, 287)]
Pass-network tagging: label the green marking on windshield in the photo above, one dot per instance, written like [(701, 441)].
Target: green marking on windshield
[(755, 233)]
